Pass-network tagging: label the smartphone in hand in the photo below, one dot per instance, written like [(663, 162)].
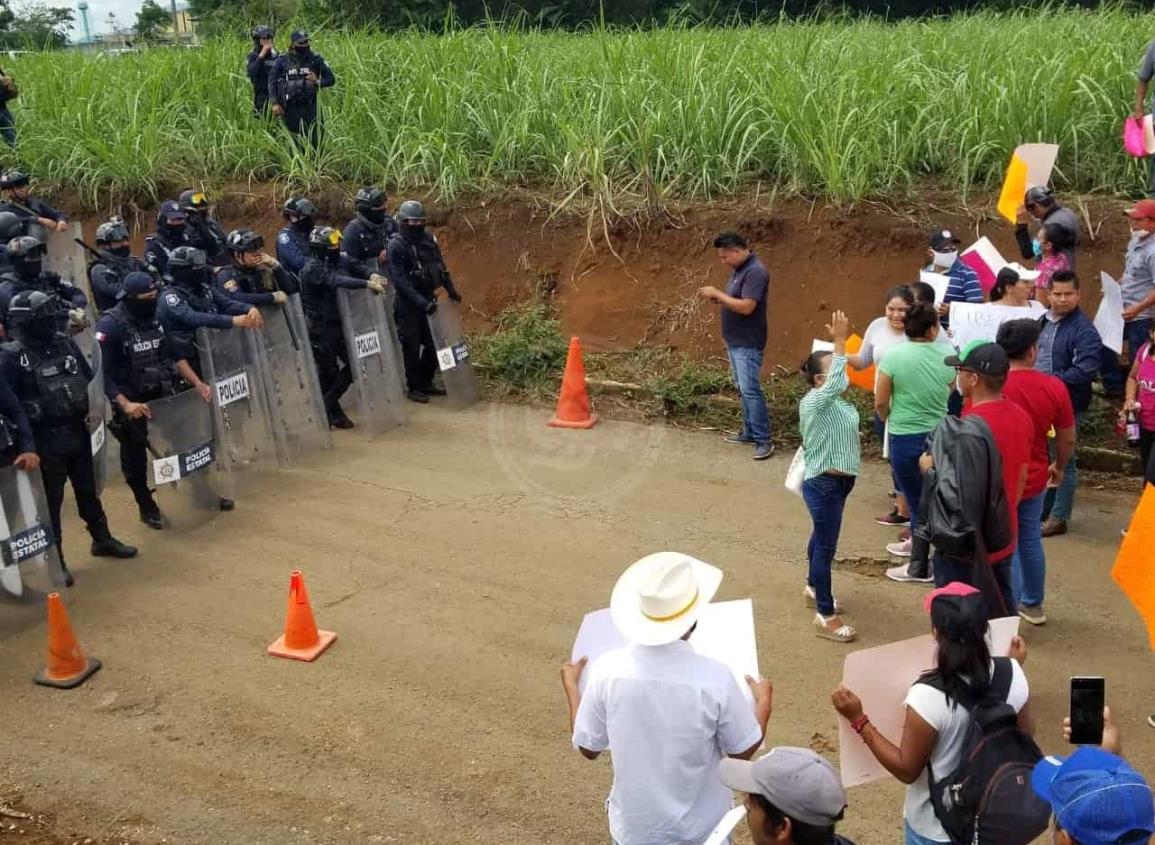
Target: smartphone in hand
[(1088, 697)]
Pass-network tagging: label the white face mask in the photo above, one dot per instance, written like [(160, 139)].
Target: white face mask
[(1139, 233), (944, 260)]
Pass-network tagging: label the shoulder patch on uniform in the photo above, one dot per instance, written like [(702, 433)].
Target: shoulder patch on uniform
[(283, 238), (172, 299), (100, 337), (231, 286)]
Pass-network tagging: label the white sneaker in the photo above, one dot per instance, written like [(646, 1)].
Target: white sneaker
[(812, 600), (899, 549), (903, 576)]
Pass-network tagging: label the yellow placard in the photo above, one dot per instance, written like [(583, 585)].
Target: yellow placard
[(1014, 187), (1133, 570)]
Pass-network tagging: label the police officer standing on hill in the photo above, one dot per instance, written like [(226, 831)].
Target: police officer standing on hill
[(293, 85), (113, 262), (417, 269), (259, 65), (253, 277), (139, 366), (366, 234), (50, 376)]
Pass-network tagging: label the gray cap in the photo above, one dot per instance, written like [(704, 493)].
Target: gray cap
[(800, 783)]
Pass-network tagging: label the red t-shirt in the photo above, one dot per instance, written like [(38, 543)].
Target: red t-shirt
[(1013, 431), (1048, 403)]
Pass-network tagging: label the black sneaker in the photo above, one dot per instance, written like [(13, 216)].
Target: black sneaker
[(417, 396), (68, 579), (227, 505), (152, 518), (433, 391), (340, 420), (763, 451), (112, 547), (738, 440)]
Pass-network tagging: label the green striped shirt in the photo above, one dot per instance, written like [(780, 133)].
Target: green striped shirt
[(829, 425)]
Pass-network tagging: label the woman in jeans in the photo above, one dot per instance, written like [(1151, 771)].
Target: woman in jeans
[(937, 717), (829, 427), (911, 396)]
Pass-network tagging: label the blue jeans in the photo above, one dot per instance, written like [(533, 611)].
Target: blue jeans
[(905, 450), (746, 365), (1135, 334), (1029, 562), (825, 497), (912, 838), (1060, 501)]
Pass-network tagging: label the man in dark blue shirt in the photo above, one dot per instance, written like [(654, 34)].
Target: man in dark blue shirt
[(744, 331)]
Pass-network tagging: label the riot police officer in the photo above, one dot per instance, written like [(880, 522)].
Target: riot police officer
[(139, 366), (293, 240), (417, 269), (201, 230), (191, 302), (26, 255), (321, 277), (253, 277), (50, 376), (11, 227), (31, 210), (366, 234), (259, 65), (111, 263), (293, 84), (17, 443), (171, 232)]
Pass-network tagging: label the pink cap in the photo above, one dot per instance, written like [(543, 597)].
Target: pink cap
[(954, 588)]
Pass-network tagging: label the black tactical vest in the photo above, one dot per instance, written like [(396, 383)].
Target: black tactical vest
[(61, 390)]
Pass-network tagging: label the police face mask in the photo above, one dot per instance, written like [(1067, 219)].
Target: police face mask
[(301, 49), (413, 230), (375, 215), (42, 330), (175, 231), (141, 309), (27, 268), (303, 224), (190, 278), (119, 251)]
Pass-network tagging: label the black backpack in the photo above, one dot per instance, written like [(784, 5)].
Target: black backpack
[(988, 799)]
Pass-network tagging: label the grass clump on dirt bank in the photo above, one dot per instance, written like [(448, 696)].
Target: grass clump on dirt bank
[(841, 109)]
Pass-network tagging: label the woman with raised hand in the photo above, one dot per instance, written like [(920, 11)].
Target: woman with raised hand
[(829, 428)]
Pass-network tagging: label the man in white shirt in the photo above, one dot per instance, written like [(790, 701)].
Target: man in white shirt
[(666, 714)]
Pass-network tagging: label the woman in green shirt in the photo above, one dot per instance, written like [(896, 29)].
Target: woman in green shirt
[(829, 427)]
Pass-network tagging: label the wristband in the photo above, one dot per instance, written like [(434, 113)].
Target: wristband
[(859, 724)]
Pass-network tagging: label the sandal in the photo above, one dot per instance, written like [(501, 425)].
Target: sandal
[(842, 633), (812, 600)]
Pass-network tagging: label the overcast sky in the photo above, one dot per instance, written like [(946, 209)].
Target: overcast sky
[(125, 11)]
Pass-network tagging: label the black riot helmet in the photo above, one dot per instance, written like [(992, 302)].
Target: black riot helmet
[(14, 179), (193, 201), (262, 31), (370, 204), (11, 226), (299, 212), (32, 315), (411, 211), (325, 241), (26, 254), (244, 240), (188, 267), (112, 231)]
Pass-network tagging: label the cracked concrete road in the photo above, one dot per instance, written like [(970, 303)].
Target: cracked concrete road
[(455, 558)]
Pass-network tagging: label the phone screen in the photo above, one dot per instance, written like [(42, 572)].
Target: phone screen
[(1088, 696)]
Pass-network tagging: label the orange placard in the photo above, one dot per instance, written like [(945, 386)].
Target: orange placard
[(859, 378), (1133, 570), (1014, 187)]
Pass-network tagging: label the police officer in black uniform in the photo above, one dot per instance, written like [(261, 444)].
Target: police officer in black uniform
[(31, 210), (139, 366), (26, 255), (417, 269), (293, 240), (366, 234), (293, 84), (201, 230), (112, 262), (252, 276), (259, 65), (171, 232), (17, 443), (321, 277), (50, 376)]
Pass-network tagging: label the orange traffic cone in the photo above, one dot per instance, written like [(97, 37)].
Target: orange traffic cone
[(573, 403), (301, 640), (67, 666)]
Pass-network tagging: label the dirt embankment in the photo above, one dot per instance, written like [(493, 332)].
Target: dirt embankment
[(622, 285)]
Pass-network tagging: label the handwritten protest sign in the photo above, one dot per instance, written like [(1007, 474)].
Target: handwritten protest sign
[(981, 320), (1109, 318)]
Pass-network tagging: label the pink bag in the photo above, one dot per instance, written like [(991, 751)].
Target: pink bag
[(1133, 141)]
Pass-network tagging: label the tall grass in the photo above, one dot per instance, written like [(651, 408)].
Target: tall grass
[(843, 110)]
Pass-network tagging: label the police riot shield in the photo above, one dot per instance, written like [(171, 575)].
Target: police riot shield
[(291, 388), (68, 259), (231, 362), (183, 455), (29, 557), (377, 369), (453, 355), (97, 415)]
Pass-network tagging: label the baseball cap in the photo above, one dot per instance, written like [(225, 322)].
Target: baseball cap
[(1096, 797), (957, 610), (1144, 209), (942, 238), (799, 782), (170, 210), (982, 356), (136, 283)]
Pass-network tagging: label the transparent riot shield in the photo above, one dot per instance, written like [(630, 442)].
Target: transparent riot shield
[(183, 454), (377, 369), (453, 355), (291, 388), (97, 415), (64, 255), (231, 361), (29, 558)]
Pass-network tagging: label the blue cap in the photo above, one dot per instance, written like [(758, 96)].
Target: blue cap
[(171, 210), (136, 283), (1096, 797)]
